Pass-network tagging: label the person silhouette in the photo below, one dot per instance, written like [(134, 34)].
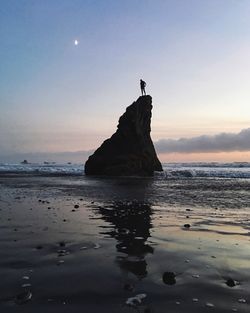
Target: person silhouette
[(143, 85)]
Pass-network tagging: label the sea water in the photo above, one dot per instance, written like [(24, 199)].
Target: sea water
[(171, 170), (225, 185)]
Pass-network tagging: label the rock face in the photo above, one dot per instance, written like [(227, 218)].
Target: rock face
[(130, 150)]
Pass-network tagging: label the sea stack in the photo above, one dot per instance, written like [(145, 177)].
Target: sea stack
[(130, 150)]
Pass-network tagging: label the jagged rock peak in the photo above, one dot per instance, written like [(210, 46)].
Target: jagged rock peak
[(130, 150)]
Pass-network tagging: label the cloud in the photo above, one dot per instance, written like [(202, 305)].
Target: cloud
[(223, 142)]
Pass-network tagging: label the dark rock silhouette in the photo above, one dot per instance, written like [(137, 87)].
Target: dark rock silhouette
[(130, 150)]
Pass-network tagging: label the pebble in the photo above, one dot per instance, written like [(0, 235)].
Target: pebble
[(209, 305), (241, 300), (76, 206), (23, 297), (62, 252), (60, 262), (169, 278), (26, 277), (195, 299), (134, 301), (26, 285), (187, 225), (230, 282), (196, 276), (97, 246)]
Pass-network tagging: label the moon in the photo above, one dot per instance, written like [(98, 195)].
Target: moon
[(76, 42)]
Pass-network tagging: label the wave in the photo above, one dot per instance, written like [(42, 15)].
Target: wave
[(36, 168), (226, 170), (171, 170), (208, 164)]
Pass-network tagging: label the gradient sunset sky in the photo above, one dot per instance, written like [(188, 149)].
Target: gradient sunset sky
[(56, 96)]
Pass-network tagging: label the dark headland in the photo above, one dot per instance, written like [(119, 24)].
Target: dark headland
[(130, 150)]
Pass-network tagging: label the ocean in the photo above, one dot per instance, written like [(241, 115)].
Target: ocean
[(171, 170)]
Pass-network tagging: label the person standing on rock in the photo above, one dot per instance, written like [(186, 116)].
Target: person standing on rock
[(143, 85)]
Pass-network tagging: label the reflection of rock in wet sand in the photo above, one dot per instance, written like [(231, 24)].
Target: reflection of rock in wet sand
[(131, 223)]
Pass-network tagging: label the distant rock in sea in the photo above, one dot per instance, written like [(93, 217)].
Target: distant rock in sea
[(130, 150)]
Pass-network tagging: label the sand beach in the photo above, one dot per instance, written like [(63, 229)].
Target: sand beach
[(71, 243)]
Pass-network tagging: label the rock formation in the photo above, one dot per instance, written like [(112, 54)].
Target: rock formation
[(130, 150)]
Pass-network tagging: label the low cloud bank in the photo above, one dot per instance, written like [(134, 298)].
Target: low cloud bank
[(223, 142)]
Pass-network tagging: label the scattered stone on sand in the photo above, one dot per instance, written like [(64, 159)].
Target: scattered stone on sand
[(76, 206), (241, 300), (196, 276), (62, 252), (83, 248), (97, 246), (230, 282), (177, 302), (26, 285), (209, 305), (23, 297), (187, 261), (169, 278), (26, 277), (234, 310), (60, 262), (62, 244), (195, 299), (187, 226), (137, 300)]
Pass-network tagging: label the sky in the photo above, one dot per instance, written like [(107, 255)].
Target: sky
[(57, 97)]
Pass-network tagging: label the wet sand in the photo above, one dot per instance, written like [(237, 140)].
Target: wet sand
[(77, 244)]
